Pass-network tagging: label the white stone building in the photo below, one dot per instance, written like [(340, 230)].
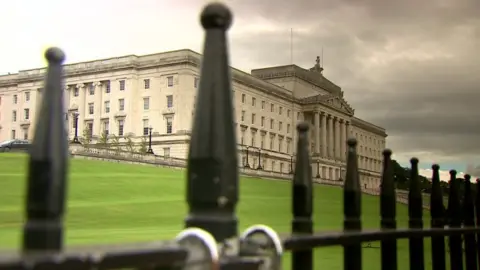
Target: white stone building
[(127, 95)]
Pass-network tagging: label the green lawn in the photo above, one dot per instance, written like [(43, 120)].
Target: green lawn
[(115, 203)]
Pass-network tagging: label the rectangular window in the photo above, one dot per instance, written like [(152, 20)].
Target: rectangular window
[(280, 110), (107, 87), (288, 128), (26, 114), (14, 116), (195, 82), (75, 92), (271, 123), (106, 127), (90, 129), (145, 127), (25, 133), (146, 83), (120, 127), (242, 116), (146, 104), (13, 134), (107, 106), (166, 152), (272, 107), (170, 81), (121, 104), (288, 113), (169, 125), (272, 139), (263, 104), (254, 101), (262, 141), (169, 101), (27, 96), (15, 99), (90, 108), (262, 121), (253, 118), (280, 125), (244, 97), (122, 85), (91, 89)]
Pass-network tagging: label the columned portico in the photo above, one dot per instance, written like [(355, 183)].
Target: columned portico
[(324, 134), (330, 136), (343, 140)]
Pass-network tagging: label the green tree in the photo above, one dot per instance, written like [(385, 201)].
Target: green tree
[(103, 141), (86, 139), (143, 145), (130, 144), (115, 143)]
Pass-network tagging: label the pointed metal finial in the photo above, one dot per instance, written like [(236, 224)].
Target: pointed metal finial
[(415, 212), (454, 218), (469, 221), (212, 167), (302, 197), (352, 206), (47, 176), (437, 211)]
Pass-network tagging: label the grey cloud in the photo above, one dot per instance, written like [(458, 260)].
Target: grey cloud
[(427, 103)]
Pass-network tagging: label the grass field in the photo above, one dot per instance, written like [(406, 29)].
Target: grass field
[(115, 203)]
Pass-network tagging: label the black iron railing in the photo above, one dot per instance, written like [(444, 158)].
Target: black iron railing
[(211, 239)]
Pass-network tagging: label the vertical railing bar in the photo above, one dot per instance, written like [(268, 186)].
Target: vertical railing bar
[(455, 221), (415, 214), (388, 212), (477, 217), (302, 199), (212, 171), (469, 221), (352, 207), (48, 165), (437, 220)]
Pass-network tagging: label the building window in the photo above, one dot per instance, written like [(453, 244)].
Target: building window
[(121, 104), (169, 125), (91, 89), (273, 165), (272, 140), (272, 107), (242, 138), (253, 139), (262, 141), (288, 147), (281, 166), (15, 99), (243, 98), (253, 118), (288, 128), (195, 82), (169, 101), (254, 101), (13, 134), (90, 108), (170, 81), (288, 113), (263, 104), (75, 92), (280, 142), (106, 127), (146, 103), (14, 116), (90, 129), (280, 110), (120, 127), (242, 117), (26, 113), (122, 85), (146, 83), (107, 106), (145, 126), (166, 152), (271, 124), (280, 125), (25, 133), (262, 121), (27, 96), (107, 87)]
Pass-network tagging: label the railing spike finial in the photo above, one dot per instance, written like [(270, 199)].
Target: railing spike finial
[(212, 167), (302, 198), (454, 218), (415, 212), (388, 212), (437, 211), (46, 190), (352, 207), (469, 221)]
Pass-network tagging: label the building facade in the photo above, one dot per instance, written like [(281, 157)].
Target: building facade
[(126, 96)]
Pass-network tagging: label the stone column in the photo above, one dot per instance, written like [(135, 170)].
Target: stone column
[(343, 140), (317, 132), (97, 127), (330, 137), (337, 138), (324, 134), (82, 110)]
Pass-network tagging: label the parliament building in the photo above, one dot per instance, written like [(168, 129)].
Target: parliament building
[(129, 95)]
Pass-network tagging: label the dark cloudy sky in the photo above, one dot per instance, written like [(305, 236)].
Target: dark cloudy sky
[(412, 67)]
